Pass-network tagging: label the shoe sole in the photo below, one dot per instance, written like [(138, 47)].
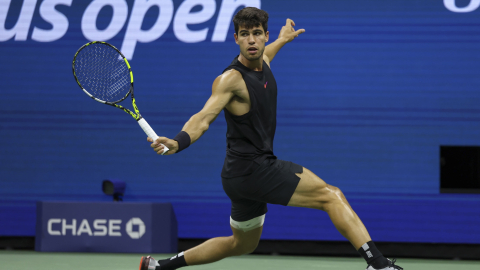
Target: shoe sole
[(144, 262)]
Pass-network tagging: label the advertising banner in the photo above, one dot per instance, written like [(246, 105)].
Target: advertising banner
[(106, 227)]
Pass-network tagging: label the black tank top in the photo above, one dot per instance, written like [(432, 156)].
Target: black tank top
[(250, 136)]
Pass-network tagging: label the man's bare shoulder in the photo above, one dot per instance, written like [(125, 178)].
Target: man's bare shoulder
[(230, 81)]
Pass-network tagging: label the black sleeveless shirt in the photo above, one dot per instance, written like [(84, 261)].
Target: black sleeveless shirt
[(250, 136)]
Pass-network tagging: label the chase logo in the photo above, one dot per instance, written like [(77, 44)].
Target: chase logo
[(190, 20), (135, 227), (131, 224)]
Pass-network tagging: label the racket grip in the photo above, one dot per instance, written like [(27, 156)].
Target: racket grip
[(150, 133)]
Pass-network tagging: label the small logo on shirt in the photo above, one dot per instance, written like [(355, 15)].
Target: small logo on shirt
[(265, 86)]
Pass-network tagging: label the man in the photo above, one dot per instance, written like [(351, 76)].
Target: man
[(252, 176)]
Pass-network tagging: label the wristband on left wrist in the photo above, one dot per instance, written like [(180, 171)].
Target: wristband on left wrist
[(183, 140)]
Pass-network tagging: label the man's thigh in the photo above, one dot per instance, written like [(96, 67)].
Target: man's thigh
[(247, 237), (246, 241), (312, 191)]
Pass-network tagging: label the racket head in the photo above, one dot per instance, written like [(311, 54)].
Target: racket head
[(103, 72)]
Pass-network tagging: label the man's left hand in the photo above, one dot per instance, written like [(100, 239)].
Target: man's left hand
[(288, 33)]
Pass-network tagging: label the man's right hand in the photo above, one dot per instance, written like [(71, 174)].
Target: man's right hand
[(158, 147)]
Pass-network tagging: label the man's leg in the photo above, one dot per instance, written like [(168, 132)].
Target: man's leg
[(313, 192), (218, 248), (212, 250)]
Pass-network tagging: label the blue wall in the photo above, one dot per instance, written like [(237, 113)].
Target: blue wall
[(366, 98)]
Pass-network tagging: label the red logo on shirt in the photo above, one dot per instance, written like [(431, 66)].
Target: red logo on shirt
[(265, 85)]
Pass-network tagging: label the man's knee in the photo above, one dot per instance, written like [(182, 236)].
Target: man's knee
[(336, 192), (325, 196), (334, 195), (245, 247)]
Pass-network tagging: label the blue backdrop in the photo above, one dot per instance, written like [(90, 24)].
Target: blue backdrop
[(366, 98)]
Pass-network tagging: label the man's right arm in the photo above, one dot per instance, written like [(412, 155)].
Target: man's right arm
[(223, 89)]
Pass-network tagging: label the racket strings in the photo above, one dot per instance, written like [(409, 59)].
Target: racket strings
[(102, 72)]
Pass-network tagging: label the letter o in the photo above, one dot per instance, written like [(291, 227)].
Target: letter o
[(89, 19), (452, 6)]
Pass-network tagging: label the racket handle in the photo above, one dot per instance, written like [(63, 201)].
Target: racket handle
[(150, 133)]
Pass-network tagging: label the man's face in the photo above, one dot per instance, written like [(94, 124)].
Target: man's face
[(251, 41)]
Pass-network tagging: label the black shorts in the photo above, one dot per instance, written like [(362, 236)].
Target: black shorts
[(274, 181)]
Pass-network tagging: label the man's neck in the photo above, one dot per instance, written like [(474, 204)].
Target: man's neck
[(255, 65)]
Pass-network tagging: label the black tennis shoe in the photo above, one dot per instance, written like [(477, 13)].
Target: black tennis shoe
[(391, 266), (148, 263)]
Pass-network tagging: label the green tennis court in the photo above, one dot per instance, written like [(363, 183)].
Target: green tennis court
[(13, 260)]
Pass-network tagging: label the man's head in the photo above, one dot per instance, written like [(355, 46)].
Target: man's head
[(251, 32), (250, 17)]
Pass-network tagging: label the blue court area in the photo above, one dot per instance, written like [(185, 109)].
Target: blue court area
[(13, 260)]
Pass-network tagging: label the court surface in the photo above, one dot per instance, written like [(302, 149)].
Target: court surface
[(13, 260)]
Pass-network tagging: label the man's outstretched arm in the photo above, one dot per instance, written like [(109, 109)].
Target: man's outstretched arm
[(223, 90), (287, 34)]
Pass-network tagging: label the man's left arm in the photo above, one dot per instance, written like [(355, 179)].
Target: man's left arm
[(287, 34)]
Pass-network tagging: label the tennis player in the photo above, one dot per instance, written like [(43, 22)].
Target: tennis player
[(252, 176)]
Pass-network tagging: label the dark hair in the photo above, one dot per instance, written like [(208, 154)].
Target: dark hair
[(250, 17)]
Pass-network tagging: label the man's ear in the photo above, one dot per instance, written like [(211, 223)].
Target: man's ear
[(236, 37), (267, 34)]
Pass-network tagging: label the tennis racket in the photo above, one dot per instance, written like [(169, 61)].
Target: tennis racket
[(104, 74)]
